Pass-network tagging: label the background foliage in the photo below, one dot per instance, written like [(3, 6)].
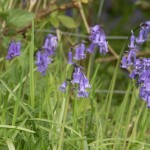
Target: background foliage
[(32, 110)]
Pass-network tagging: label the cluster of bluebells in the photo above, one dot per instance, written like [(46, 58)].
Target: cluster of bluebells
[(97, 39), (43, 55), (140, 67), (79, 81)]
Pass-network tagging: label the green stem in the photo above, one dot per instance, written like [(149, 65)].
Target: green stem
[(32, 95), (63, 123), (83, 17), (83, 125)]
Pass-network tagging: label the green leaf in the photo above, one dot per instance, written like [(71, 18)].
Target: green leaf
[(16, 128), (54, 21), (10, 144), (67, 21), (19, 18)]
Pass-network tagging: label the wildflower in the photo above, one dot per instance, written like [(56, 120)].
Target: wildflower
[(63, 86), (50, 44), (42, 61), (77, 75), (98, 38), (131, 59), (124, 62), (132, 40), (90, 49), (140, 38), (140, 67), (79, 52), (82, 91), (13, 50), (86, 81), (146, 32), (70, 58)]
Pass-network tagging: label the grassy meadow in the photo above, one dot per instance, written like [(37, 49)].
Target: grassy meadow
[(34, 114)]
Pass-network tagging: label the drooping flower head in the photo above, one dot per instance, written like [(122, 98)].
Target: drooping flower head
[(50, 44), (79, 81), (132, 41), (70, 57), (63, 86), (141, 39), (140, 67), (42, 61), (80, 51), (82, 90), (98, 37), (13, 50)]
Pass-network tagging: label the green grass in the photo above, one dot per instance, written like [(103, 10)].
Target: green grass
[(34, 114)]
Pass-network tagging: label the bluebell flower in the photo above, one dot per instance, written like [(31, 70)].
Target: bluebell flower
[(77, 74), (98, 37), (132, 41), (82, 90), (131, 59), (146, 32), (86, 81), (70, 61), (140, 39), (13, 50), (80, 52), (63, 86), (124, 63), (90, 49), (140, 67), (50, 44), (42, 61)]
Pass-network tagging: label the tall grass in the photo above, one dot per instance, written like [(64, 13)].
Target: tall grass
[(34, 114)]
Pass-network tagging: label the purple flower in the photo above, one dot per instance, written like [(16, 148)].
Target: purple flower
[(77, 75), (63, 86), (145, 94), (124, 62), (147, 23), (13, 50), (70, 58), (97, 37), (42, 61), (95, 29), (86, 82), (79, 52), (131, 59), (90, 49), (50, 44), (82, 91), (132, 40), (140, 39), (103, 49)]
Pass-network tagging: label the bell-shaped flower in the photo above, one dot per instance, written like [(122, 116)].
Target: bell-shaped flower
[(42, 61), (13, 50), (63, 86), (82, 91), (140, 39), (131, 59), (77, 75), (79, 52), (70, 61), (86, 82), (90, 49), (50, 44), (132, 40), (124, 62)]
